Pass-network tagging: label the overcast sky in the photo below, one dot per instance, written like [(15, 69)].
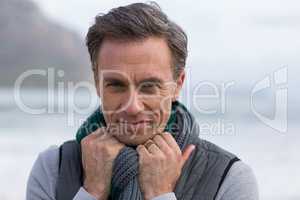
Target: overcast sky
[(228, 40)]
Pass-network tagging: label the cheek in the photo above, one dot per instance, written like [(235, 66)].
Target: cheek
[(160, 106), (165, 110), (110, 102), (165, 107)]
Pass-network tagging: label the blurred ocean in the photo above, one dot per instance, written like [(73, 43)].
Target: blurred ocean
[(272, 155)]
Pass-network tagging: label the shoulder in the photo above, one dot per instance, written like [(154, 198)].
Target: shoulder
[(44, 173), (47, 163), (239, 180), (211, 150), (239, 183)]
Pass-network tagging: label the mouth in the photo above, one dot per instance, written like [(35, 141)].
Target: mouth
[(138, 124), (133, 128), (126, 120), (135, 122)]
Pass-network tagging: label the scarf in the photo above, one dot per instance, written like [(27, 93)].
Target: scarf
[(124, 183)]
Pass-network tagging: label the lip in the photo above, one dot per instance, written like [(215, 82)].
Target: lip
[(136, 122)]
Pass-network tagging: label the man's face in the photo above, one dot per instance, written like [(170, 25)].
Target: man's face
[(136, 87)]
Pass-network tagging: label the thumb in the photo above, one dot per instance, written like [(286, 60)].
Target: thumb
[(186, 153)]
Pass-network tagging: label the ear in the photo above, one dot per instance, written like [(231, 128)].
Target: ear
[(179, 84)]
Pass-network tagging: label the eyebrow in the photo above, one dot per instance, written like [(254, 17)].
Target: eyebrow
[(113, 80), (152, 80), (146, 80)]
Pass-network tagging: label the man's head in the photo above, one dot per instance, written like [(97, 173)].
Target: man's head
[(138, 57)]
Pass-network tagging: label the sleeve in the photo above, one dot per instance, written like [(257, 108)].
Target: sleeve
[(41, 183), (239, 184), (82, 194), (166, 196), (42, 178)]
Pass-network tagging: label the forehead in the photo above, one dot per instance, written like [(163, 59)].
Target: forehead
[(148, 57)]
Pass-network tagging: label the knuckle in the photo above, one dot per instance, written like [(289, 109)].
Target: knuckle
[(169, 153), (158, 136), (178, 158), (166, 134), (100, 130), (139, 149), (85, 141), (178, 153)]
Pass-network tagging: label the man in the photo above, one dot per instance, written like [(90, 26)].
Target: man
[(141, 143)]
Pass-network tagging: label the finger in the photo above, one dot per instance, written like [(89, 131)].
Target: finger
[(99, 131), (102, 137), (142, 151), (91, 137), (94, 135), (171, 142), (186, 153), (162, 144), (154, 149), (108, 139), (111, 128)]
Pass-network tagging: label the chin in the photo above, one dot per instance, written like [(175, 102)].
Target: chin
[(134, 139)]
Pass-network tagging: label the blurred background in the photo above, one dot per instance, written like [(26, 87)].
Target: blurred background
[(243, 66)]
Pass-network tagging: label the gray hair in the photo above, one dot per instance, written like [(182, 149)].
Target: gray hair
[(138, 21)]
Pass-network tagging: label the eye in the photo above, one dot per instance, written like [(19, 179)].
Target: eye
[(115, 86), (149, 88)]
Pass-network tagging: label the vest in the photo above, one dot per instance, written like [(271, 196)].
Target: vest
[(201, 177)]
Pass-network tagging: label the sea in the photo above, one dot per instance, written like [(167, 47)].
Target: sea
[(28, 126)]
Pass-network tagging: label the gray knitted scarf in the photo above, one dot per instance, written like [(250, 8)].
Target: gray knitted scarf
[(124, 183)]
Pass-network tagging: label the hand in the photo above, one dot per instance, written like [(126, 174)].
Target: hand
[(160, 164), (99, 150)]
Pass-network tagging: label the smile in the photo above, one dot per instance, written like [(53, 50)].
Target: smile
[(135, 123)]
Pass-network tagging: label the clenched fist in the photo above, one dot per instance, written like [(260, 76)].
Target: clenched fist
[(99, 150), (160, 162)]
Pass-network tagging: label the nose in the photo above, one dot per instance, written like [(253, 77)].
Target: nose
[(133, 105)]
